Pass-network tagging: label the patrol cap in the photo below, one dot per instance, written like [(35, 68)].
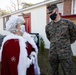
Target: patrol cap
[(51, 8)]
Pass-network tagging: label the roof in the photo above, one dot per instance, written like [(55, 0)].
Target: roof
[(35, 5)]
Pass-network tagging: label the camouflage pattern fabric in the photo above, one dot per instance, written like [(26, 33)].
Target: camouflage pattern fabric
[(61, 35), (66, 64)]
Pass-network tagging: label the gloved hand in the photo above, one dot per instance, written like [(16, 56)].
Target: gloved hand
[(33, 56), (33, 60)]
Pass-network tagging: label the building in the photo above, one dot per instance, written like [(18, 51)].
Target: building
[(36, 16)]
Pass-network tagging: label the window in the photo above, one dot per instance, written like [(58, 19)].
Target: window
[(5, 19), (73, 6)]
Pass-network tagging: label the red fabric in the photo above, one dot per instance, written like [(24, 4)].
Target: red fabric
[(30, 70), (10, 51)]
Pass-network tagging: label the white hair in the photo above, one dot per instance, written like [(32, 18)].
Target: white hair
[(13, 22)]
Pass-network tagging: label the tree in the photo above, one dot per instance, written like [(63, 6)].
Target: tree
[(42, 45), (3, 12), (18, 4), (25, 5), (15, 5)]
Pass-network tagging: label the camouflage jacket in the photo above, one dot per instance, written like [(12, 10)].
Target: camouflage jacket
[(61, 35)]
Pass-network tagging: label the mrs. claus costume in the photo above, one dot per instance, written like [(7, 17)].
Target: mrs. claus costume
[(31, 46), (14, 57)]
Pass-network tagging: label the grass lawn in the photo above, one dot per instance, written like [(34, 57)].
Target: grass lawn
[(45, 66)]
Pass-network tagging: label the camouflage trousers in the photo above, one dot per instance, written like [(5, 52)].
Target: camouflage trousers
[(66, 64)]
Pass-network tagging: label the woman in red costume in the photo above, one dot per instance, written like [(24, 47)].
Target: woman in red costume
[(31, 48), (14, 56)]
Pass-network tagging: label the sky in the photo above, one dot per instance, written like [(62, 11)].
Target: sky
[(4, 4)]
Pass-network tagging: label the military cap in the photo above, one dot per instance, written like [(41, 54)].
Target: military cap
[(51, 8)]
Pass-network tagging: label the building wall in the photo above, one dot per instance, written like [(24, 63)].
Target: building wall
[(38, 22), (67, 7), (1, 23), (73, 46), (60, 6)]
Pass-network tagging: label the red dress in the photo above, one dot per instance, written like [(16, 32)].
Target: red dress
[(30, 70), (10, 57)]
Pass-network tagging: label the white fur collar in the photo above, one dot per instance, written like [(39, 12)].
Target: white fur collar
[(28, 38)]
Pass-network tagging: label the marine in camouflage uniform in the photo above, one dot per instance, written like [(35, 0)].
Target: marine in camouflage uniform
[(61, 35)]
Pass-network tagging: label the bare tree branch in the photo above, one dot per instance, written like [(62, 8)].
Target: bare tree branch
[(18, 4), (13, 5)]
